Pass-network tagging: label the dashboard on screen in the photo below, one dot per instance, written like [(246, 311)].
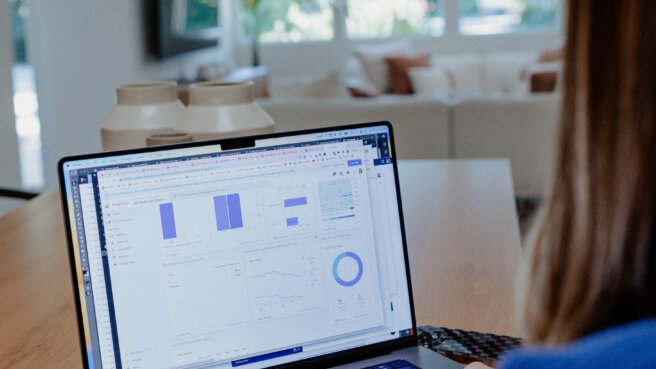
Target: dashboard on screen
[(198, 256)]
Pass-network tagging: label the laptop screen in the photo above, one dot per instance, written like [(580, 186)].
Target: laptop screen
[(202, 257)]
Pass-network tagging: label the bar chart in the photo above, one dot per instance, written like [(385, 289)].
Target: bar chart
[(227, 213), (227, 209), (168, 220), (297, 201), (292, 203)]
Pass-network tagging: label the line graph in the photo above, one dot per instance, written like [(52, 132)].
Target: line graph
[(277, 299), (283, 282)]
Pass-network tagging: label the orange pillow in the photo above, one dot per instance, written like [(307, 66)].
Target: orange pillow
[(398, 68), (544, 81)]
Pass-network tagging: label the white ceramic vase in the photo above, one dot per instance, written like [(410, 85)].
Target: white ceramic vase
[(142, 109), (220, 110)]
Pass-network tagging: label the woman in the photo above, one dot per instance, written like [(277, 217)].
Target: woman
[(589, 293)]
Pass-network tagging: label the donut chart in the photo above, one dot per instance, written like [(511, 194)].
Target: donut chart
[(339, 258)]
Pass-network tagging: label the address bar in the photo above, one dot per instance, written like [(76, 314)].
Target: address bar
[(199, 183)]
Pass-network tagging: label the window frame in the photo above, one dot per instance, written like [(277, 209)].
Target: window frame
[(452, 30)]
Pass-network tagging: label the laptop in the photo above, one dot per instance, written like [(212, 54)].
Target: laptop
[(280, 250)]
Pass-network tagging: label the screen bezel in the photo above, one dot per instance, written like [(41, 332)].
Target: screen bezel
[(331, 359)]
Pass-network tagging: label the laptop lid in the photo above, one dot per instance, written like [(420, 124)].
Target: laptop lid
[(272, 250)]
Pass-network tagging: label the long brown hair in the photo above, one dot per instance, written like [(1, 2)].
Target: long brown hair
[(592, 255)]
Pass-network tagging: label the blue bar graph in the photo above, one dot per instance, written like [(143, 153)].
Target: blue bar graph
[(234, 210), (168, 221), (292, 221), (221, 212), (295, 201)]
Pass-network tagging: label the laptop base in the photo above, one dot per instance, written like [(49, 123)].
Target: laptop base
[(417, 355)]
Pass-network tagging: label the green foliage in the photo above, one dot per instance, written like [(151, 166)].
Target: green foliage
[(251, 5), (202, 14), (18, 30), (260, 16), (402, 27), (468, 7), (539, 12)]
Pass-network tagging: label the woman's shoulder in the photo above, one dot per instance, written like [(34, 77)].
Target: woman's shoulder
[(629, 346)]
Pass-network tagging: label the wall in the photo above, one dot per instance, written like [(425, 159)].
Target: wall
[(81, 50), (9, 170)]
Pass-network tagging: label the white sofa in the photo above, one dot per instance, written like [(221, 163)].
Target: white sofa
[(522, 128), (519, 127), (420, 123)]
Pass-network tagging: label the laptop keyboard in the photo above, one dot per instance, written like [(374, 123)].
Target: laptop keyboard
[(396, 364), (466, 346)]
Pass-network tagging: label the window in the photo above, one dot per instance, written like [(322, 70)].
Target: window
[(26, 107), (485, 17), (385, 18), (289, 20)]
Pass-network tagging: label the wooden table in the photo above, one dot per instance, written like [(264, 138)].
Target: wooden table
[(463, 240)]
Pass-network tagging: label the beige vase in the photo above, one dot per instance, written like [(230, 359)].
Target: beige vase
[(142, 109), (220, 110), (168, 138)]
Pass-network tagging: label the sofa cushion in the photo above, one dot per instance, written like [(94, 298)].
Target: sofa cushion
[(522, 128), (321, 86), (420, 123)]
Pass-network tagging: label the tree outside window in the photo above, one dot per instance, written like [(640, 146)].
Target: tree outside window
[(313, 20), (387, 18), (485, 17), (288, 20)]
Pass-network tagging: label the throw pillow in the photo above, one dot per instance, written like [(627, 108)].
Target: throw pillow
[(372, 59), (431, 80), (544, 81), (542, 77), (359, 93), (399, 67), (502, 71), (465, 68), (360, 87)]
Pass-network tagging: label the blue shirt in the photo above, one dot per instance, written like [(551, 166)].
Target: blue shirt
[(630, 346)]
